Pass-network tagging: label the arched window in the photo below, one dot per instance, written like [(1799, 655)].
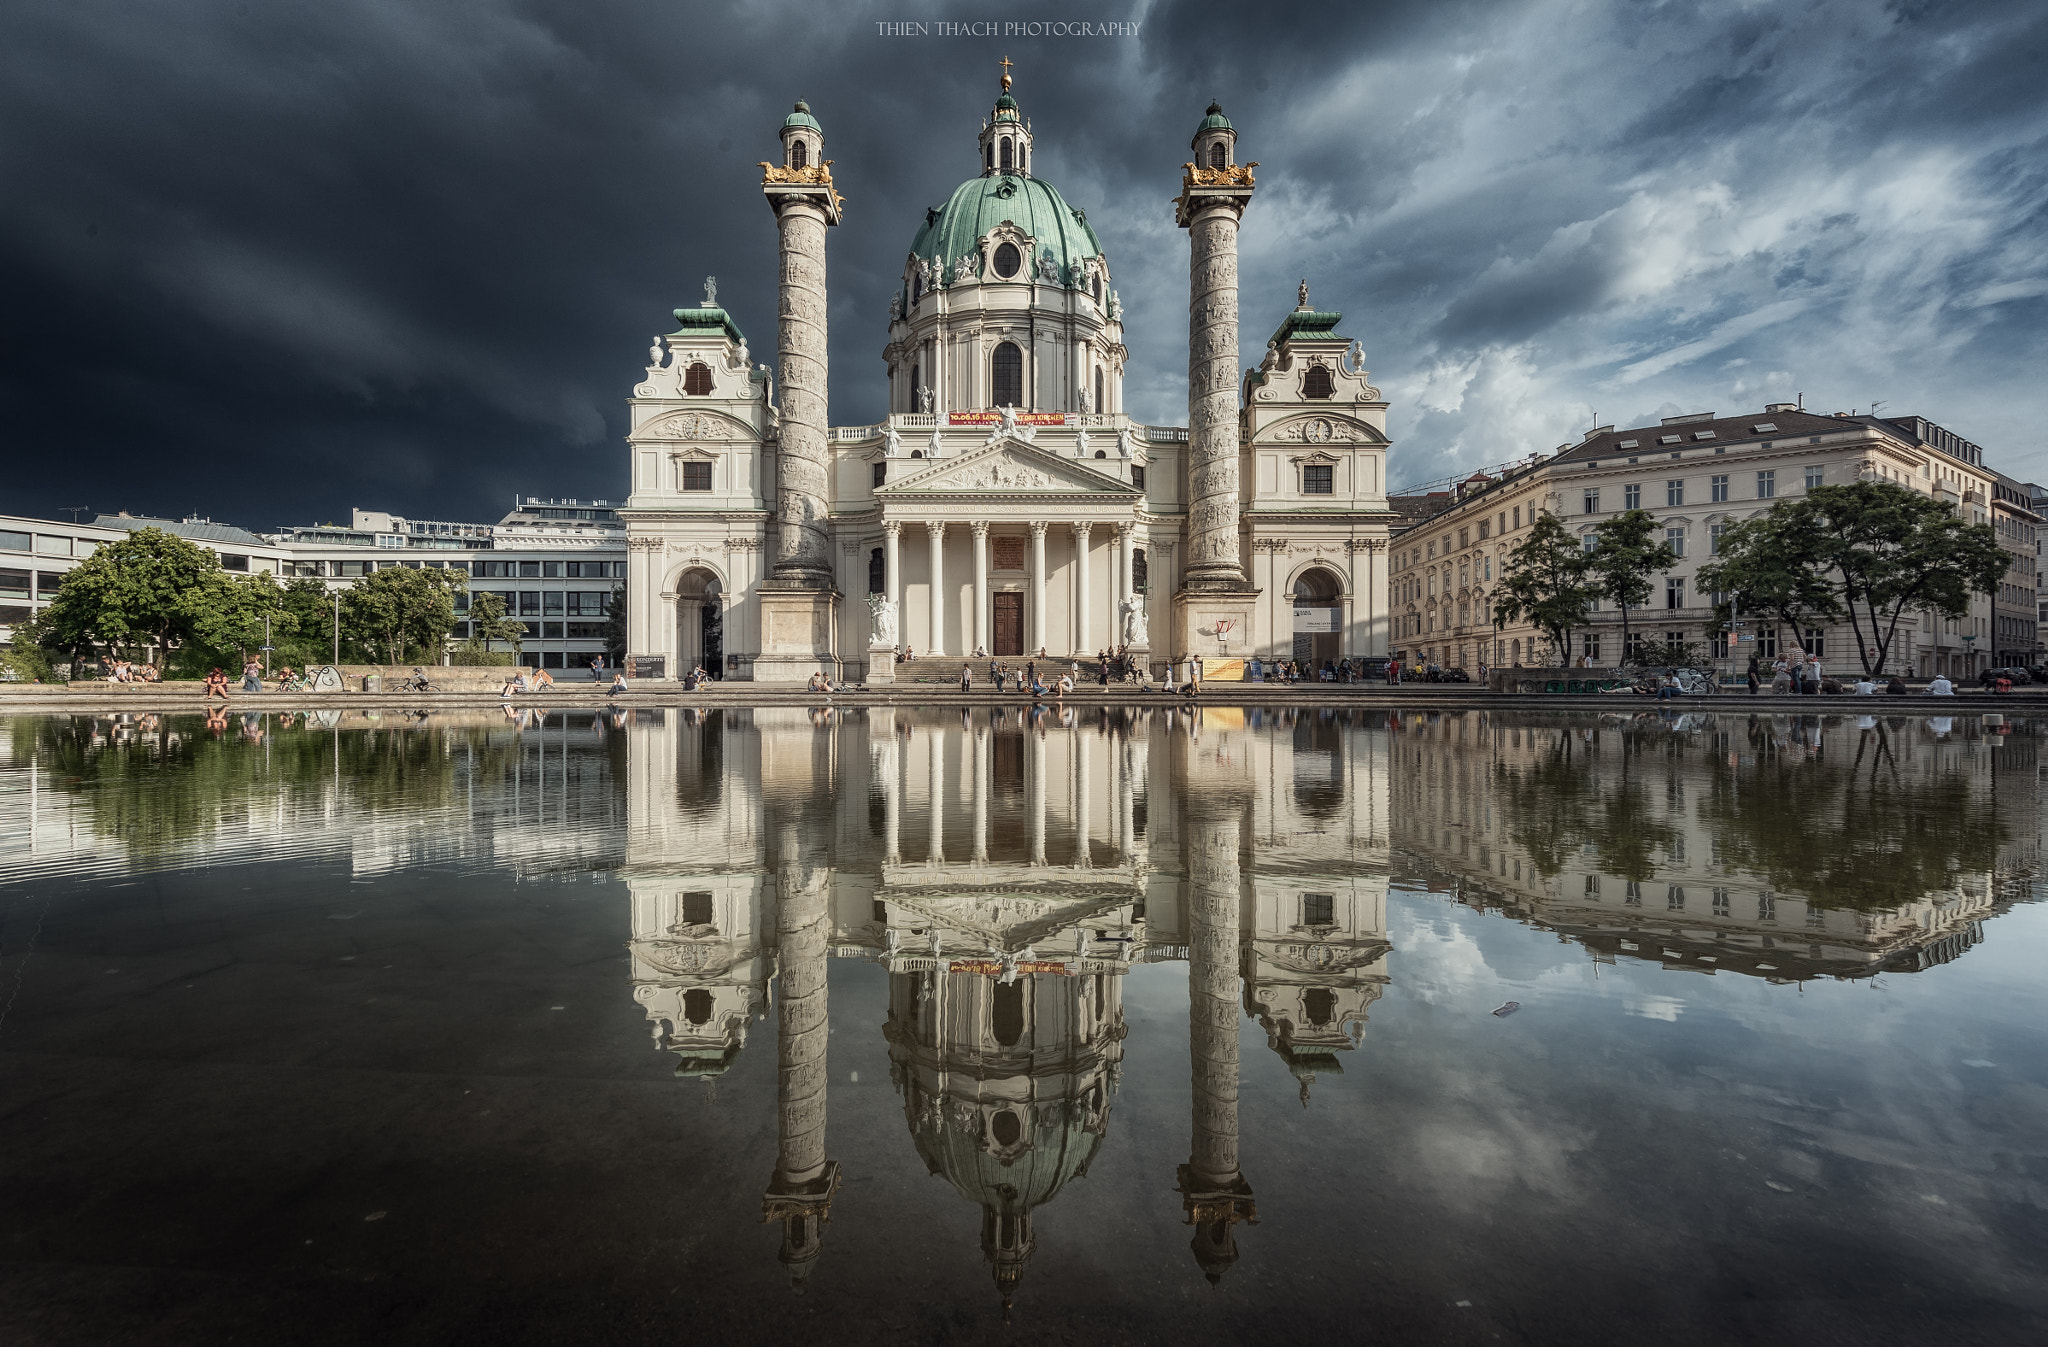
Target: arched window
[(799, 155), (877, 570), (1008, 260), (697, 1006), (917, 453), (1219, 156), (1319, 1004), (915, 383), (1097, 286), (1316, 383), (697, 378), (1099, 408), (1009, 162), (991, 154), (1007, 369), (1009, 1012), (881, 474), (1100, 453)]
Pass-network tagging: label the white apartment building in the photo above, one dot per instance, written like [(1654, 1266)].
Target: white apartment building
[(1697, 474)]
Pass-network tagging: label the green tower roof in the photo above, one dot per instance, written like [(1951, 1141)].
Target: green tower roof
[(802, 117)]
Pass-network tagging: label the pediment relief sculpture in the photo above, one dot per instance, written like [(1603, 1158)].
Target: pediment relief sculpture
[(692, 426)]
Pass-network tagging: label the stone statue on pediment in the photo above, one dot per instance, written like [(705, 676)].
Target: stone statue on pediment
[(1009, 427), (892, 443), (1081, 443), (1123, 443), (924, 399)]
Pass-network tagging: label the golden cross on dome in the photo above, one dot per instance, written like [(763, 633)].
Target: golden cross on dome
[(1005, 64)]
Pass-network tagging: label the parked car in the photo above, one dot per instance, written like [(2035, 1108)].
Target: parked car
[(1456, 676), (2038, 672), (2020, 677)]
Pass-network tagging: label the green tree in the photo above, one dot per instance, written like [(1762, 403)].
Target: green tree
[(311, 605), (131, 593), (489, 620), (1882, 550), (397, 610), (1768, 567), (1545, 580), (1620, 565), (227, 615)]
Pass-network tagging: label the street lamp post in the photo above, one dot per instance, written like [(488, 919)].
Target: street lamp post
[(337, 633)]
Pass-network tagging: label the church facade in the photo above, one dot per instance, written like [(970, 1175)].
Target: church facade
[(1007, 504)]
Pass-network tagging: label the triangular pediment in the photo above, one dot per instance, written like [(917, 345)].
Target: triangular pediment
[(1010, 467)]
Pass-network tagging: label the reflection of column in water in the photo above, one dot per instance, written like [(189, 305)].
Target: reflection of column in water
[(1214, 1194), (1037, 796), (1082, 743), (981, 798), (800, 1193), (936, 741), (889, 771)]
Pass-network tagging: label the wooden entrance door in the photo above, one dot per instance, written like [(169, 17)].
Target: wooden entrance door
[(1009, 623)]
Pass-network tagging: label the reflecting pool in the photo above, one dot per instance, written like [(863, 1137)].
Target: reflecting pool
[(897, 1025)]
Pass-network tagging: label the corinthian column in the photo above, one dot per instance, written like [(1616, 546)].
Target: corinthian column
[(800, 1193)]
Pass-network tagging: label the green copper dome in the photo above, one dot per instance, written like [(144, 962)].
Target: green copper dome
[(1215, 120), (1060, 1151), (954, 230), (1006, 109), (802, 117)]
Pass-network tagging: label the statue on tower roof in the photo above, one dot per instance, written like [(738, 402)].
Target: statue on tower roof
[(1303, 292), (711, 292)]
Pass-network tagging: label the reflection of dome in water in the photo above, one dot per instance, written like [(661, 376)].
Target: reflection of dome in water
[(1006, 1090)]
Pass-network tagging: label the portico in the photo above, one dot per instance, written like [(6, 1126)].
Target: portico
[(1025, 550)]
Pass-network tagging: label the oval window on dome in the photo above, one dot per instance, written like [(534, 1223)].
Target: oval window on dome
[(1008, 260)]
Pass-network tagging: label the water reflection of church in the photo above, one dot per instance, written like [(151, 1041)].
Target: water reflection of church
[(1008, 876)]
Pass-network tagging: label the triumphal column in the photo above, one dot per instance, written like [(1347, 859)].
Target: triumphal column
[(799, 601), (1213, 610)]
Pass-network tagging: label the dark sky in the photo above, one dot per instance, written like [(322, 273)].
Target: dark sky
[(271, 260)]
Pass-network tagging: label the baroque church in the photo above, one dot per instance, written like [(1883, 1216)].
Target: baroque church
[(1008, 504)]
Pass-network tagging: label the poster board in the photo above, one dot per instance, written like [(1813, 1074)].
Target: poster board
[(1222, 671)]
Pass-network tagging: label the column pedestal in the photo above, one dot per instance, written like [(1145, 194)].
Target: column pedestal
[(796, 634), (881, 667), (1196, 614)]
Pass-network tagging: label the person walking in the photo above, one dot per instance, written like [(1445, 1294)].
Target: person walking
[(1754, 681), (252, 676)]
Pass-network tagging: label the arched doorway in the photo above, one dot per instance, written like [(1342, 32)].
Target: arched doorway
[(1318, 617), (700, 623)]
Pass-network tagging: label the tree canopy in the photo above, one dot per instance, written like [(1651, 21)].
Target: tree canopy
[(1870, 551), (1619, 566), (130, 593), (397, 610), (1546, 580)]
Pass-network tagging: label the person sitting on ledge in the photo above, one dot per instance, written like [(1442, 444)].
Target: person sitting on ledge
[(1941, 687), (618, 684), (216, 684)]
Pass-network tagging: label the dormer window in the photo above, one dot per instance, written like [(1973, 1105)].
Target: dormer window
[(697, 378), (1316, 383), (799, 155), (1219, 156)]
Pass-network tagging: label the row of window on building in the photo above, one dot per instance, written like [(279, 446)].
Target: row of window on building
[(1717, 489)]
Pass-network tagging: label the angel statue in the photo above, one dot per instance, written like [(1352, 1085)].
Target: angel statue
[(1133, 611), (1123, 442), (882, 622)]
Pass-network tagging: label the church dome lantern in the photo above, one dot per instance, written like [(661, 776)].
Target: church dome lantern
[(1215, 141), (803, 140)]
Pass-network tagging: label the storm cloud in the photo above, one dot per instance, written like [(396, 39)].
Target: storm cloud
[(274, 260)]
